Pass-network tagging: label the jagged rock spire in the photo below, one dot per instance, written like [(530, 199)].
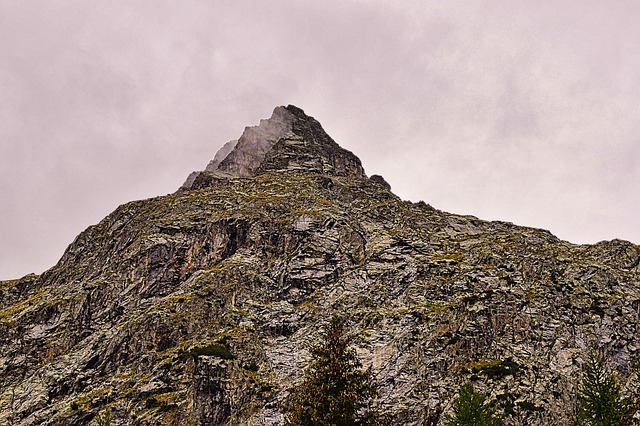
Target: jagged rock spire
[(289, 140)]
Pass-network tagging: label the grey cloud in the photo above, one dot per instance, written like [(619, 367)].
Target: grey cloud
[(521, 111)]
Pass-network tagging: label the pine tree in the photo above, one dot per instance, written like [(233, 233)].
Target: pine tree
[(634, 400), (335, 391), (600, 401), (469, 409)]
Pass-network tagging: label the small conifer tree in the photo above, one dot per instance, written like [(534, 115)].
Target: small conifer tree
[(600, 401), (470, 409), (335, 390), (633, 412)]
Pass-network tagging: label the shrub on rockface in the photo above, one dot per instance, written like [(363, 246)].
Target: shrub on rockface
[(600, 400), (103, 419), (335, 390), (470, 409)]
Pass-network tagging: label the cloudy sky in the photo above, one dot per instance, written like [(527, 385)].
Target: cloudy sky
[(521, 111)]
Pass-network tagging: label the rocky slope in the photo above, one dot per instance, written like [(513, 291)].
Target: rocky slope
[(198, 308)]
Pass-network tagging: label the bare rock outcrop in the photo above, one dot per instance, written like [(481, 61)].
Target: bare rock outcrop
[(288, 141)]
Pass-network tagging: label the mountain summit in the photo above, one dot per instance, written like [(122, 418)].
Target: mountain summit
[(288, 141), (200, 307)]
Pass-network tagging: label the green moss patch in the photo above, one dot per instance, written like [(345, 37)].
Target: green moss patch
[(493, 368), (209, 349)]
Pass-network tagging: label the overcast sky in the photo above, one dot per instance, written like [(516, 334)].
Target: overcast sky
[(524, 111)]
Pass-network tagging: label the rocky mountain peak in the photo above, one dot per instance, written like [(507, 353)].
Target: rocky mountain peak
[(200, 307), (288, 140)]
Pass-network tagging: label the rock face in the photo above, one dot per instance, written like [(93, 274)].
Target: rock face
[(288, 141), (198, 308)]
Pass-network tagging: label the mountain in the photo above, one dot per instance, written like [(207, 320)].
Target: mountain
[(199, 307)]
